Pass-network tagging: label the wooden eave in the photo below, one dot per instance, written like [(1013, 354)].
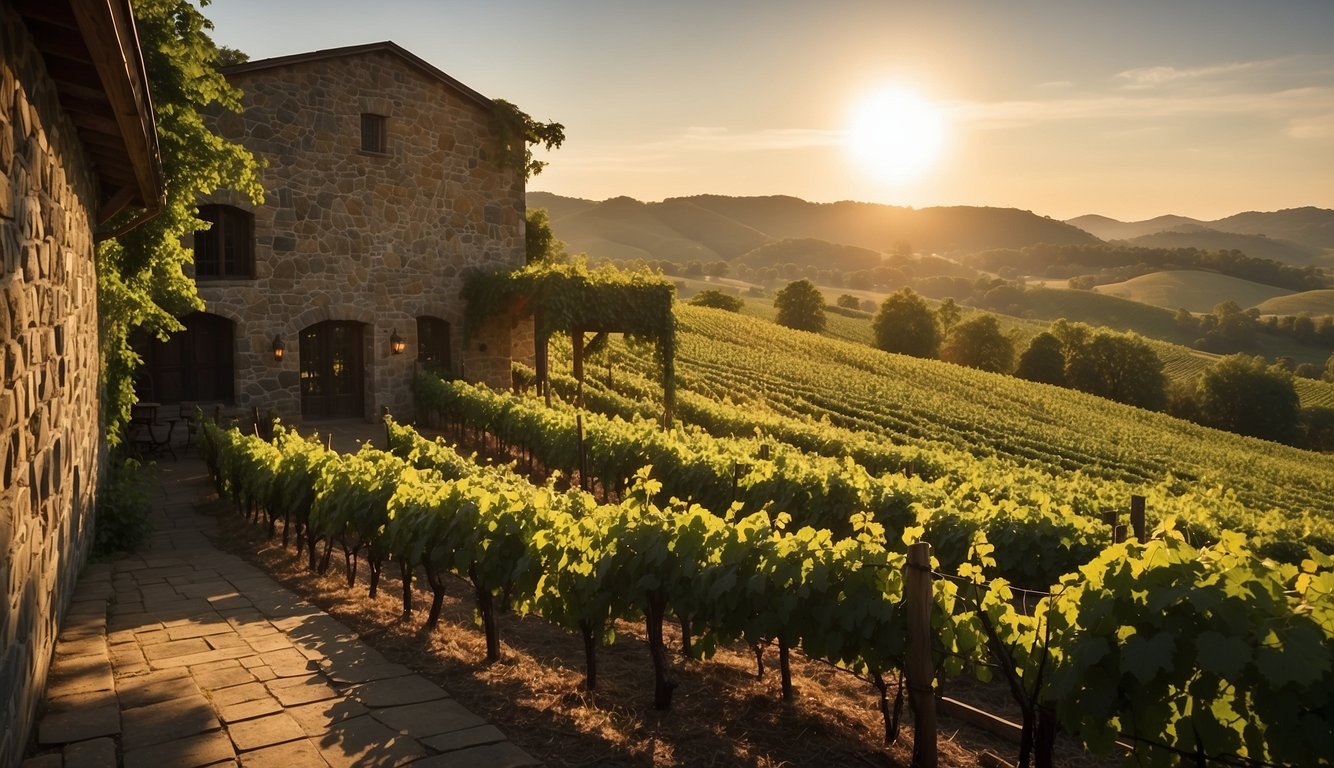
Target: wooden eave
[(416, 62), (91, 51)]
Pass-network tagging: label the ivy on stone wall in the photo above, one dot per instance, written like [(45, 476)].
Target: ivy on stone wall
[(139, 277), (518, 133)]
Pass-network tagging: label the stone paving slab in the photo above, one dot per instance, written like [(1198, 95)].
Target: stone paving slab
[(184, 655)]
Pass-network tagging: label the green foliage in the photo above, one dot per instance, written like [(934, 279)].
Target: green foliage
[(1209, 652), (906, 325), (139, 279), (1243, 394), (1117, 366), (979, 343), (573, 296), (122, 523), (948, 313), (801, 306), (1043, 360), (541, 243), (518, 132), (716, 299), (848, 301)]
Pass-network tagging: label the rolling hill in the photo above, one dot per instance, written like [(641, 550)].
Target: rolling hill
[(1315, 302), (1194, 290), (1308, 231), (1255, 246), (713, 227)]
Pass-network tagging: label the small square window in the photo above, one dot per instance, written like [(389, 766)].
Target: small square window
[(373, 133)]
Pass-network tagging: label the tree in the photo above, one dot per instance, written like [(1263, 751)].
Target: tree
[(1329, 369), (906, 325), (717, 300), (1120, 367), (848, 301), (979, 343), (1241, 394), (140, 284), (1043, 361), (801, 306), (540, 241), (948, 313)]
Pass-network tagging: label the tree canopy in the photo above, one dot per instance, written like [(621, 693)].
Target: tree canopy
[(906, 325), (716, 299), (801, 306), (542, 245), (1117, 366), (1243, 394), (139, 277), (1042, 361), (978, 342)]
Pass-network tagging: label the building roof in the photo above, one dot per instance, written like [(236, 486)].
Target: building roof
[(354, 50), (91, 50)]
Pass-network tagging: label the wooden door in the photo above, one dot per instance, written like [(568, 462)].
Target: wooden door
[(332, 371)]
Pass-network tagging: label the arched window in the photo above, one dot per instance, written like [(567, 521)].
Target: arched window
[(193, 365), (226, 249), (433, 343)]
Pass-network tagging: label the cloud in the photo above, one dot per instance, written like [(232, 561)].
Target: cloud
[(1314, 127), (1153, 77)]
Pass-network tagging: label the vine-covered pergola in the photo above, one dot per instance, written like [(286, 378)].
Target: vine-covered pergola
[(579, 300)]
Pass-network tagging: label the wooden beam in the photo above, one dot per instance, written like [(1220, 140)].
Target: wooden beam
[(56, 40), (118, 202), (58, 14)]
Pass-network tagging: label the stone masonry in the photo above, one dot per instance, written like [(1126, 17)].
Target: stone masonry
[(375, 238), (49, 452)]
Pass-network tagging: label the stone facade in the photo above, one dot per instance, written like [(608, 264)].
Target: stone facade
[(377, 238), (49, 442)]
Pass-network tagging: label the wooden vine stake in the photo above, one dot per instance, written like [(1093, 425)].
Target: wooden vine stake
[(918, 668), (1137, 518)]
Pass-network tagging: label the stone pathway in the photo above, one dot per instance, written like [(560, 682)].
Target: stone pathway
[(187, 656)]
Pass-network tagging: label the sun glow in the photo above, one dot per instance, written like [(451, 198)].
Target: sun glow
[(896, 135)]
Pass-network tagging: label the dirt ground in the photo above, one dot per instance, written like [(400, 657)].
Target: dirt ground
[(722, 713)]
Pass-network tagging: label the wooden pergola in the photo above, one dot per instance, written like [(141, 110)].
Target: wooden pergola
[(578, 300)]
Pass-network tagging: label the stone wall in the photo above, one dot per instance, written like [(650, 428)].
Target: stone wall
[(377, 238), (49, 451)]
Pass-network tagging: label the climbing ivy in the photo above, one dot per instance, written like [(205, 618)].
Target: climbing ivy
[(140, 283)]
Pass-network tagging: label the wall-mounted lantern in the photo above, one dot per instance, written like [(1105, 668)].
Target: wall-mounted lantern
[(278, 349), (396, 343)]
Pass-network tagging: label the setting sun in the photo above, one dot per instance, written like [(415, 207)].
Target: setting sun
[(896, 135)]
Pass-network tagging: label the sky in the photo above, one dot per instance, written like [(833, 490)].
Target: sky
[(1125, 108)]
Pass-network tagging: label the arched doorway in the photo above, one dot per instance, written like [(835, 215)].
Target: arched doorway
[(332, 370), (192, 365)]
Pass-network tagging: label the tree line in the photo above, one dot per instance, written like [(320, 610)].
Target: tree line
[(1240, 393), (1112, 263)]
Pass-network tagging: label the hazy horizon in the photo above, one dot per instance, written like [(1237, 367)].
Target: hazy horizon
[(1132, 110)]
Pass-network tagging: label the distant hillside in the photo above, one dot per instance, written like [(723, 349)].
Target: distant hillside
[(1196, 291), (809, 251), (1314, 302), (712, 227), (1105, 228), (1255, 246), (1311, 229), (558, 206)]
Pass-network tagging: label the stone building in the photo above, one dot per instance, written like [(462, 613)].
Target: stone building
[(382, 187), (77, 146)]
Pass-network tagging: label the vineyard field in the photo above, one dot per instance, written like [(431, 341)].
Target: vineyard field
[(956, 416)]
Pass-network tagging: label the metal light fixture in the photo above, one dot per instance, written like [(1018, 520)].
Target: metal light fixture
[(396, 343), (278, 349)]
